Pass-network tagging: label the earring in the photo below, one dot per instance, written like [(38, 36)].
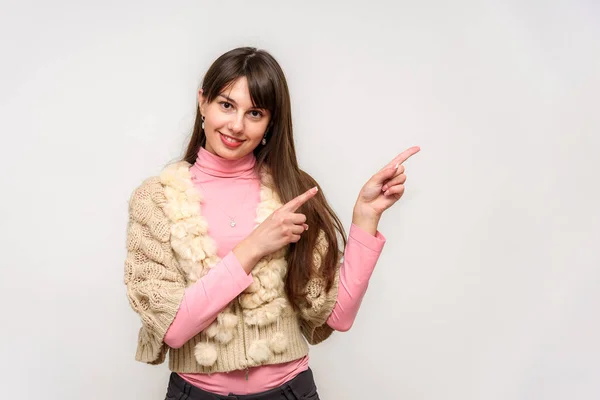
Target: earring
[(264, 141), (203, 118)]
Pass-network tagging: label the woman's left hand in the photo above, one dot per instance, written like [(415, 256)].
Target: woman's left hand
[(384, 188)]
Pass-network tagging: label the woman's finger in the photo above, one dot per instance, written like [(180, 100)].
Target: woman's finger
[(298, 219), (298, 229), (405, 155), (384, 175), (398, 180), (395, 191), (295, 203)]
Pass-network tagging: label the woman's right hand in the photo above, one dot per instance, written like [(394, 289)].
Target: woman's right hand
[(282, 227)]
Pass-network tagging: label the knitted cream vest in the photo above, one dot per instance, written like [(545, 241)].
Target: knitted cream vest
[(169, 249), (262, 306)]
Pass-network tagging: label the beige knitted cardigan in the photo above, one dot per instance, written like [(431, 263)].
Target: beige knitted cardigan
[(169, 249)]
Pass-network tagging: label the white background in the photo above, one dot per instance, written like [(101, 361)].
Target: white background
[(488, 287)]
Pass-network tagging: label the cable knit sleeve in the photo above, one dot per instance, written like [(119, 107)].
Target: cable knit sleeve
[(155, 285), (319, 302)]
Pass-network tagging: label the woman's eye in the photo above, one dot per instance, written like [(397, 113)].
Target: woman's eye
[(226, 105), (255, 114)]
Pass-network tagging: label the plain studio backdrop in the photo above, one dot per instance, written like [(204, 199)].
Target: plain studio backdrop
[(488, 286)]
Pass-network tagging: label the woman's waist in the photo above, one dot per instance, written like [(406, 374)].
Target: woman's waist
[(260, 379)]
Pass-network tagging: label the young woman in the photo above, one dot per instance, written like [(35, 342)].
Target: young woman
[(235, 260)]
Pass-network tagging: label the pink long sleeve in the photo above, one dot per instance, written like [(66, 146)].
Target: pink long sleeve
[(360, 256), (203, 301)]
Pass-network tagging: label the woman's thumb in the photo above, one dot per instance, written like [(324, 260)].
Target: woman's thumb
[(385, 174)]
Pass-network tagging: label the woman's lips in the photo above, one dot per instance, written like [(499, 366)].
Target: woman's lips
[(230, 142)]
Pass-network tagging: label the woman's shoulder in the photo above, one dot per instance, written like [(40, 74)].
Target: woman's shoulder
[(149, 192), (152, 189), (146, 215)]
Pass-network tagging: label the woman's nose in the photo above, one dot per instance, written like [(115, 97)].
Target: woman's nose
[(236, 124)]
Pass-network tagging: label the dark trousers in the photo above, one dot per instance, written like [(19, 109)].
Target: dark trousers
[(302, 387)]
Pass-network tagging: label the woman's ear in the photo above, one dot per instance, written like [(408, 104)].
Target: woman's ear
[(201, 101)]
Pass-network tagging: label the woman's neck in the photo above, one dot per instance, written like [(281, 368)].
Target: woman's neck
[(213, 165)]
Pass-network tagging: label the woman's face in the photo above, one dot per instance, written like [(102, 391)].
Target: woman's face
[(233, 127)]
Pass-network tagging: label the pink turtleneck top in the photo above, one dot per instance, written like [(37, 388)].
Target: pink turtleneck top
[(232, 189)]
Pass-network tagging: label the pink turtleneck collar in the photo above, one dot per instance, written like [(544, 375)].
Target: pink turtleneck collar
[(218, 167)]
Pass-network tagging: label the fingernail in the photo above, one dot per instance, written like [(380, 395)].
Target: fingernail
[(397, 165), (306, 228), (315, 189)]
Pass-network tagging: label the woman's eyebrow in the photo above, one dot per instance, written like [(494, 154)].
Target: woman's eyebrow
[(232, 101), (229, 99)]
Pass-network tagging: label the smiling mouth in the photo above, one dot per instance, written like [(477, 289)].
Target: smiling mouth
[(230, 142), (230, 139)]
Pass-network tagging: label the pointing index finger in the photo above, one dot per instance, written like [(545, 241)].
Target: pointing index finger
[(405, 155), (296, 202)]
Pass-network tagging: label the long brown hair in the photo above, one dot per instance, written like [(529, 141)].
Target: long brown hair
[(269, 90)]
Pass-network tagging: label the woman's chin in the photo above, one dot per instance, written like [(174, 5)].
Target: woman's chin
[(231, 154)]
